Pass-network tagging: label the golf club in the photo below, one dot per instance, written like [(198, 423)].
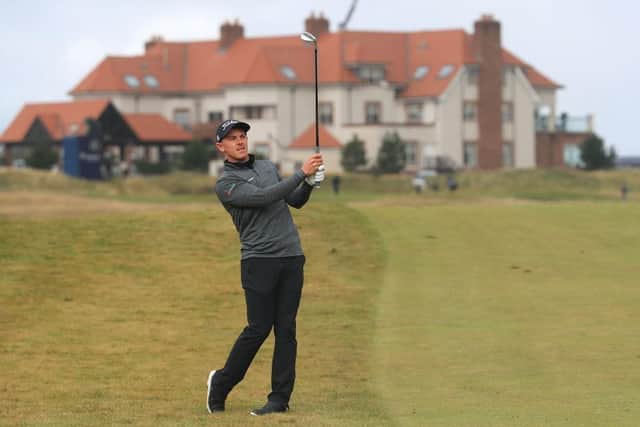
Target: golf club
[(310, 38)]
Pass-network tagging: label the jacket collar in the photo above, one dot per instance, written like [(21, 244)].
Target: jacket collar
[(244, 165)]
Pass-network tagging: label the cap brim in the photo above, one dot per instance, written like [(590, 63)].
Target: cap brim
[(242, 125)]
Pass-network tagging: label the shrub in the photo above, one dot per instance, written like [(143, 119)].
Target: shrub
[(147, 168), (353, 155), (196, 157), (391, 157), (43, 156)]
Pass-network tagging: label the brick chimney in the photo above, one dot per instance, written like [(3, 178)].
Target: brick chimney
[(229, 33), (487, 50), (154, 40), (316, 25)]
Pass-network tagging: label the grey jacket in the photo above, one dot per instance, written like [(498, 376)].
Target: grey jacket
[(257, 200)]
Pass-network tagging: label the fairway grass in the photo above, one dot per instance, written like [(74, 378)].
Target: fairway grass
[(116, 318), (509, 315)]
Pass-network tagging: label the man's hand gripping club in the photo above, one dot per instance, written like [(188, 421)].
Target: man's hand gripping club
[(313, 168)]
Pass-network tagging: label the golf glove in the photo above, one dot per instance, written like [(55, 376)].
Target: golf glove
[(317, 178)]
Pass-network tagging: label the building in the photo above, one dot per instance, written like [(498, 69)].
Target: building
[(453, 97), (125, 137)]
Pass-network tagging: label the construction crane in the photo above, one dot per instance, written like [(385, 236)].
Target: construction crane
[(343, 24)]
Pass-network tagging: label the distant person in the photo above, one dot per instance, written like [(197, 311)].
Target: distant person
[(452, 183), (419, 184), (335, 183), (271, 265), (624, 190)]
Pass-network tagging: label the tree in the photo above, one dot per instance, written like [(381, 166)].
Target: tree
[(392, 156), (42, 156), (196, 157), (353, 155), (594, 156)]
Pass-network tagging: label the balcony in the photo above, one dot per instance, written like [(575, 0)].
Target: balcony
[(565, 123)]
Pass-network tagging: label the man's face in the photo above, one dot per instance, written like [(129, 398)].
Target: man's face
[(235, 146)]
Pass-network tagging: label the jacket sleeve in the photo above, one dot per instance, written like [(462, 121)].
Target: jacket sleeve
[(299, 197), (237, 192)]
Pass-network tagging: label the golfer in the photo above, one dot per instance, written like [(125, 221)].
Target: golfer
[(271, 266)]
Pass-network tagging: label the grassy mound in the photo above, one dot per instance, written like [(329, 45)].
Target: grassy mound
[(117, 319)]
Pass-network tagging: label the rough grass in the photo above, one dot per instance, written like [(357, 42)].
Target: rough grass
[(116, 319), (532, 184)]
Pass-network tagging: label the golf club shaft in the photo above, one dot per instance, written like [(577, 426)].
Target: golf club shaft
[(315, 68)]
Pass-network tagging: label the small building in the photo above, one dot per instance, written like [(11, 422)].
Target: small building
[(305, 145), (124, 137)]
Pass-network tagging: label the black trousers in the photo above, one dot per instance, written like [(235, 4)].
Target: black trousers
[(272, 287)]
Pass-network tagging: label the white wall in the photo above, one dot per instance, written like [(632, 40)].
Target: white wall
[(449, 120), (524, 134), (360, 95), (331, 157)]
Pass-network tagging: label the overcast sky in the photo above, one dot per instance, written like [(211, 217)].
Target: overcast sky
[(589, 46)]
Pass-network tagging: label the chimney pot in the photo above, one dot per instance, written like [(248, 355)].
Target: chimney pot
[(316, 25), (229, 33), (155, 39)]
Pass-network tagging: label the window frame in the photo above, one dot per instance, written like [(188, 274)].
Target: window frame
[(186, 124), (512, 153), (465, 157), (322, 115), (414, 116), (469, 111), (378, 118)]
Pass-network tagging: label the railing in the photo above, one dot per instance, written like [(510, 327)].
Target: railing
[(566, 123)]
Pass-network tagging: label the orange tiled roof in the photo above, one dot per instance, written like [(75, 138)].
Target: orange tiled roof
[(59, 118), (536, 78), (307, 139), (201, 66), (155, 128)]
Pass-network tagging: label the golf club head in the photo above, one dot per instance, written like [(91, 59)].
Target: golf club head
[(307, 37)]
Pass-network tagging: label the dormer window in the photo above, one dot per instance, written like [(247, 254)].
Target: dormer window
[(132, 81), (371, 73), (151, 81), (446, 71), (421, 72), (288, 72)]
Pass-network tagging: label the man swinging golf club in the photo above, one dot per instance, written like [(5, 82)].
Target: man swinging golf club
[(272, 262)]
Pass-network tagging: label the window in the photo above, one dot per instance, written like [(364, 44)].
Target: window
[(421, 72), (505, 76), (372, 112), (288, 72), (215, 116), (411, 152), (262, 150), (470, 155), (469, 111), (507, 112), (571, 155), (132, 81), (325, 113), (151, 81), (182, 117), (246, 112), (472, 75), (446, 71), (371, 73), (414, 112), (507, 155)]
